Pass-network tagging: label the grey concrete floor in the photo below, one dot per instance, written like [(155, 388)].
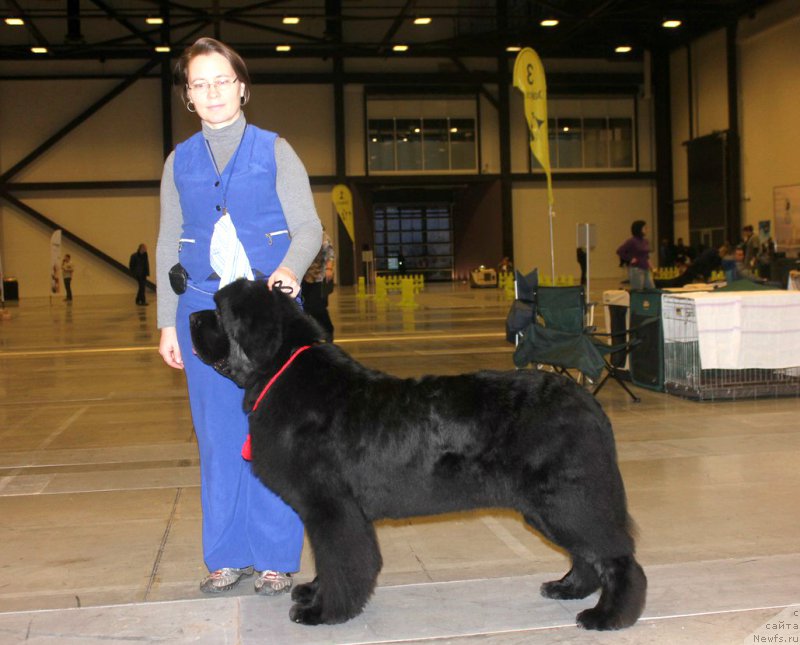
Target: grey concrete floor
[(99, 498)]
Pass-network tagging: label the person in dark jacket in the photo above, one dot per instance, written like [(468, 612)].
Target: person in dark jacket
[(708, 261), (139, 266)]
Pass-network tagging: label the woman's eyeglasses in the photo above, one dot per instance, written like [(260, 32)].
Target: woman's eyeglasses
[(220, 84)]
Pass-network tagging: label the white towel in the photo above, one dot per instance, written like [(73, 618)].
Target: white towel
[(750, 329), (227, 255)]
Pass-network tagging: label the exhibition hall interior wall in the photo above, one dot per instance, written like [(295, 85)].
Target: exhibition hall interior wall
[(768, 46), (123, 142)]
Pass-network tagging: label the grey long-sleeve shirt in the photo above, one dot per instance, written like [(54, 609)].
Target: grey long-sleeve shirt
[(294, 192)]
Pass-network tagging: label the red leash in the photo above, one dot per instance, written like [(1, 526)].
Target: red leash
[(246, 449)]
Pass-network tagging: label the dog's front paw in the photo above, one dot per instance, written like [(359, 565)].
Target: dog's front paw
[(306, 614), (304, 594)]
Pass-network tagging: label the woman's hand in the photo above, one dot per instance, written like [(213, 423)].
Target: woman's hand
[(287, 278), (169, 349)]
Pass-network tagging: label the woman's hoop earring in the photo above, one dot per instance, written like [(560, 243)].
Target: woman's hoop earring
[(242, 101), (190, 107)]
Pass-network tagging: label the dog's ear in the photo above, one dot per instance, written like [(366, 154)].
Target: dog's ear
[(264, 323), (245, 310)]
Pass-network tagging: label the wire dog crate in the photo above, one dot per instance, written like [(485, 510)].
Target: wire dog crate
[(684, 376)]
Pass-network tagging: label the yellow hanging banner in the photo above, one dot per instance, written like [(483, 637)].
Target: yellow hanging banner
[(529, 79), (343, 201)]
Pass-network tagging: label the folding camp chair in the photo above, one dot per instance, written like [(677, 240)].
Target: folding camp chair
[(560, 337), (612, 366), (523, 309), (562, 312)]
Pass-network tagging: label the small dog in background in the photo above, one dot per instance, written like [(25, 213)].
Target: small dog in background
[(346, 445)]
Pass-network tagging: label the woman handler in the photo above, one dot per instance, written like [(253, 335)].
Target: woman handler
[(235, 202)]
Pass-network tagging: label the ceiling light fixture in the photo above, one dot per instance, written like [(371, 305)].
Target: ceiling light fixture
[(400, 48), (549, 22), (163, 49), (623, 49), (283, 48), (15, 22), (671, 23), (39, 50), (154, 20), (291, 20), (513, 48), (422, 21)]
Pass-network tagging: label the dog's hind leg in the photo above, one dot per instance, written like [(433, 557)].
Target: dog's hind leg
[(581, 581), (623, 596), (347, 560), (602, 556)]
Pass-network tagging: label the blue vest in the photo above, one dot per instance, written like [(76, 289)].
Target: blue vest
[(253, 203)]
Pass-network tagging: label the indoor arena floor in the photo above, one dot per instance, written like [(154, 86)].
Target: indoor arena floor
[(99, 498)]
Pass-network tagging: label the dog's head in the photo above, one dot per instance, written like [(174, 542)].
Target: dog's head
[(251, 328)]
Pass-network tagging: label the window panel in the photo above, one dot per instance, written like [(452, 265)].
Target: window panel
[(436, 144), (590, 134), (440, 249), (595, 143), (409, 144), (621, 142), (438, 236), (381, 144), (438, 223), (462, 144), (422, 135), (568, 137)]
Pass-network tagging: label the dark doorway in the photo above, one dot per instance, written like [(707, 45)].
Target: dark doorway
[(413, 233)]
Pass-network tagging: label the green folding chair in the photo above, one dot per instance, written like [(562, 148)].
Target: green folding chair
[(562, 339)]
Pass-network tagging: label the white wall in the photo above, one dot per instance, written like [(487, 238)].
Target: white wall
[(120, 142), (612, 208), (768, 49), (770, 77)]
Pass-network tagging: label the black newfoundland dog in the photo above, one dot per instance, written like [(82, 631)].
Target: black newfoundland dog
[(345, 445)]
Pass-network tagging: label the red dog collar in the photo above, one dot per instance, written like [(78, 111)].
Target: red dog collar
[(246, 449)]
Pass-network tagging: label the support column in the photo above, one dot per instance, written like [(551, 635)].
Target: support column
[(662, 118), (734, 169), (345, 260), (504, 101)]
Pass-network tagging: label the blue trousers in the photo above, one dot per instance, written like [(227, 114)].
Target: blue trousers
[(244, 523), (640, 278)]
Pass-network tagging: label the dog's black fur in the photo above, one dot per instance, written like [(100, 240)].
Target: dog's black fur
[(345, 445)]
